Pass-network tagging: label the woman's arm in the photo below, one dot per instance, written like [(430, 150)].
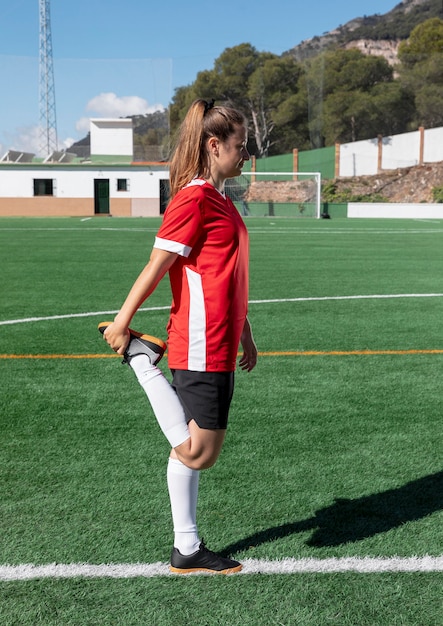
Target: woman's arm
[(117, 334), (249, 358)]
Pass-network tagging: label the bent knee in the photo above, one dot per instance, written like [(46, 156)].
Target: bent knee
[(203, 464), (197, 462), (202, 449)]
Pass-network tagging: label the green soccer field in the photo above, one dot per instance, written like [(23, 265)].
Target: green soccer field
[(330, 484)]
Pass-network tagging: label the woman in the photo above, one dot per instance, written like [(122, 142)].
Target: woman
[(203, 244)]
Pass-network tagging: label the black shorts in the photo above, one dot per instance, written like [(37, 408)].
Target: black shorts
[(205, 396)]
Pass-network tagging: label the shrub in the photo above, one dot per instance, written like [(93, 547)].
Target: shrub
[(437, 194)]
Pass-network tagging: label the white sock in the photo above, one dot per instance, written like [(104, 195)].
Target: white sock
[(183, 494), (164, 401)]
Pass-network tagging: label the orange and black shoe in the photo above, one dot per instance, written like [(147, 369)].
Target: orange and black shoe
[(139, 343), (204, 561)]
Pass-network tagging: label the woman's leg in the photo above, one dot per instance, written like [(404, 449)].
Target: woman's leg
[(201, 449), (183, 494), (163, 399), (193, 449), (197, 448)]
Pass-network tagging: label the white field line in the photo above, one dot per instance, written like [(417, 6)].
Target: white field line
[(368, 297), (340, 231), (87, 229), (268, 228), (360, 565), (25, 320)]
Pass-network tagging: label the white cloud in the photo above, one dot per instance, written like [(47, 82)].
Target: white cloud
[(25, 139), (67, 143), (29, 139), (111, 105), (82, 125)]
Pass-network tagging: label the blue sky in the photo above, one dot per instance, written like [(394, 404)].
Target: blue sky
[(114, 58)]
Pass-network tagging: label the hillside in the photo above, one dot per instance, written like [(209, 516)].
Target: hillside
[(408, 184), (374, 34)]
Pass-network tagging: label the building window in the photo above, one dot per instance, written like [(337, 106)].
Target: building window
[(43, 187), (122, 184)]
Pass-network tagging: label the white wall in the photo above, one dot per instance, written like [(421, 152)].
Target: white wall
[(78, 181), (359, 158), (143, 183), (398, 210), (111, 137), (433, 145), (400, 151)]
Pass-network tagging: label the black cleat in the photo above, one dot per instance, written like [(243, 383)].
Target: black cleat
[(140, 343), (203, 560)]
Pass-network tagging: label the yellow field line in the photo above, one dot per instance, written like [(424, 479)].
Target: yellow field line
[(349, 352), (276, 353)]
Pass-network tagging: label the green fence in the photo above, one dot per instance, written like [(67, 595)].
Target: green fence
[(321, 160), (280, 163), (334, 209)]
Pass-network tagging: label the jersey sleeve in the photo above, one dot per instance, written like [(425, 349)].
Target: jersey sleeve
[(182, 223)]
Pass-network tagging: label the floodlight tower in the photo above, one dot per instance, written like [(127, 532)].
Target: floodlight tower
[(48, 124)]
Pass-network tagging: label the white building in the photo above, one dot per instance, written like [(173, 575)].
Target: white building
[(108, 183)]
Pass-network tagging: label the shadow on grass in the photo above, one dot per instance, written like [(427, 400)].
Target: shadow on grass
[(347, 521)]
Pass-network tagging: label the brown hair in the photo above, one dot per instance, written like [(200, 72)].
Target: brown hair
[(203, 120)]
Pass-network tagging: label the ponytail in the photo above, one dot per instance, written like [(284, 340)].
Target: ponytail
[(203, 120)]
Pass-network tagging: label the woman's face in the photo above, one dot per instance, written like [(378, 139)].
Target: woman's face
[(232, 154)]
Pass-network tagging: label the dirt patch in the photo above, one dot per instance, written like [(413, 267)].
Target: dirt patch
[(280, 191), (408, 184)]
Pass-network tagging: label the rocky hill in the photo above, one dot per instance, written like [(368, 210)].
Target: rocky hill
[(374, 34)]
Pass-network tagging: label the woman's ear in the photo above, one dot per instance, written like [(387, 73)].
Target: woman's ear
[(213, 144)]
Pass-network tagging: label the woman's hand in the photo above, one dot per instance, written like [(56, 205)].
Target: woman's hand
[(117, 337)]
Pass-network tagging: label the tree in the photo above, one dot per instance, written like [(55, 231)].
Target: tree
[(424, 80), (347, 115), (429, 105), (421, 71), (342, 90), (291, 125), (395, 109), (348, 70), (255, 82), (424, 41), (272, 83)]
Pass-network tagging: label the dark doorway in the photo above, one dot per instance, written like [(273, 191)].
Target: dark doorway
[(101, 195), (164, 195)]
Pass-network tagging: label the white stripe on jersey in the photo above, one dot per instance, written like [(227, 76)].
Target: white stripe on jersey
[(197, 323), (194, 182), (172, 246)]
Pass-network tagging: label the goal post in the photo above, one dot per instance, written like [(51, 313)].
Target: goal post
[(276, 194)]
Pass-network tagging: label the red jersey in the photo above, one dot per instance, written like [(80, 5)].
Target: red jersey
[(209, 279)]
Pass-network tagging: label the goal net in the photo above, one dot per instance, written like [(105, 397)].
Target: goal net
[(276, 194)]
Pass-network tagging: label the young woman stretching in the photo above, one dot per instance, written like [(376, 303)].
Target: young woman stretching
[(203, 245)]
